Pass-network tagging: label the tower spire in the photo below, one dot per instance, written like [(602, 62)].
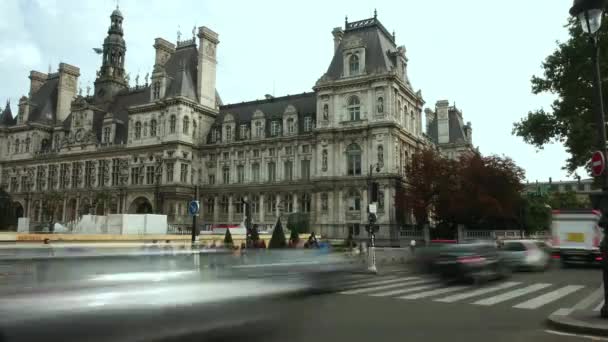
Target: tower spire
[(111, 75)]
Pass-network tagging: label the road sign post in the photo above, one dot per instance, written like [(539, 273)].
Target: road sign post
[(194, 207), (598, 163)]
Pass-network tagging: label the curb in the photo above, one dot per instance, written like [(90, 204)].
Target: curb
[(572, 325)]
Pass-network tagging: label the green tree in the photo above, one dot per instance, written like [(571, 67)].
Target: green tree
[(228, 243), (278, 236), (567, 200), (567, 73), (535, 213), (52, 201)]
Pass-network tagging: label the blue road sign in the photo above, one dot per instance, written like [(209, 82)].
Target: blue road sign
[(194, 208)]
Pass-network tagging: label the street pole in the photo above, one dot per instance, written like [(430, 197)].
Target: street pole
[(372, 248), (193, 235), (600, 122)]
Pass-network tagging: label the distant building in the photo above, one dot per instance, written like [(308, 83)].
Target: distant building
[(446, 128), (582, 187)]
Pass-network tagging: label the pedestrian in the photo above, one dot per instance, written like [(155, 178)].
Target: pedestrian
[(413, 246)]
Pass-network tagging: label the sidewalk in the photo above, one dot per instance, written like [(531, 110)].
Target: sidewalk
[(583, 318)]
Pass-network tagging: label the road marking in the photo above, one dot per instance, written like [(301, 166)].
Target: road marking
[(402, 291), (562, 312), (592, 338), (592, 298), (599, 306), (511, 294), (434, 292), (404, 282), (375, 281), (479, 292), (547, 298)]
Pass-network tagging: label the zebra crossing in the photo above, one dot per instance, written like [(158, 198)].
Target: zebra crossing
[(403, 285)]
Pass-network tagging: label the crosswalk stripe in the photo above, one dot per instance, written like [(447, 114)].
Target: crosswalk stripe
[(383, 287), (478, 292), (434, 292), (511, 294), (599, 307), (408, 290), (373, 282), (539, 301)]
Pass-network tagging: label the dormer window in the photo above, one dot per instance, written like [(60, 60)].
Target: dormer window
[(307, 124), (228, 133), (290, 126), (259, 130), (138, 130), (156, 90), (243, 132), (275, 128), (353, 62), (153, 128), (106, 135), (354, 108)]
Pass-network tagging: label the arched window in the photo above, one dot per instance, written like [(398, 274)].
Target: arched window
[(228, 133), (153, 128), (380, 156), (145, 129), (259, 131), (17, 145), (353, 158), (28, 141), (354, 64), (290, 126), (185, 125), (138, 130), (354, 108), (172, 124), (354, 200), (305, 203)]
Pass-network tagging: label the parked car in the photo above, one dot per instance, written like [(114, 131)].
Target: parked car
[(526, 254), (476, 262)]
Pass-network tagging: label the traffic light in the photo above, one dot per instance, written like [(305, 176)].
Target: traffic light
[(374, 194)]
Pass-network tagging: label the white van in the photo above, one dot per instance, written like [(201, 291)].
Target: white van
[(576, 235)]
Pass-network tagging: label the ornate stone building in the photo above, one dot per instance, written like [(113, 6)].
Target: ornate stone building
[(124, 149)]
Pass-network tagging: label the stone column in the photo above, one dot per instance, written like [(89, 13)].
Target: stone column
[(230, 209), (261, 207), (296, 207), (39, 218), (65, 202), (277, 212), (77, 209), (216, 209)]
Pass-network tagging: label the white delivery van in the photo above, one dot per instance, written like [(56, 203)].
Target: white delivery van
[(576, 235)]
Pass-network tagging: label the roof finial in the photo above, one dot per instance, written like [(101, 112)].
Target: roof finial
[(194, 31), (179, 33), (117, 3), (393, 35), (49, 68), (88, 88), (375, 13), (345, 21)]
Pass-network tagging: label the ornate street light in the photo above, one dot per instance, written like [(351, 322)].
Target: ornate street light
[(589, 14)]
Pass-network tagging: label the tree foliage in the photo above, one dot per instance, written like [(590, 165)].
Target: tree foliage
[(423, 174), (278, 236), (228, 243), (567, 200), (535, 213), (568, 73)]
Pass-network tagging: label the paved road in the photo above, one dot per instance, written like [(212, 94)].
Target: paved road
[(401, 306)]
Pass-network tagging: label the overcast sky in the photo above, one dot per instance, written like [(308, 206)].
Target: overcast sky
[(478, 55)]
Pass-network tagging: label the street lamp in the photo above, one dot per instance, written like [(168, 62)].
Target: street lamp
[(371, 218), (589, 14)]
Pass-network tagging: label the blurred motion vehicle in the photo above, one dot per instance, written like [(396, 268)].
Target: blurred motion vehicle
[(526, 254), (425, 258), (576, 236), (476, 262)]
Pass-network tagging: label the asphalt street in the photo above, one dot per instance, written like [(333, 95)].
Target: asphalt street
[(373, 310)]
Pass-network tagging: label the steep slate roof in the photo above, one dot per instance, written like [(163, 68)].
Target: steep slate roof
[(182, 71), (455, 126), (378, 44), (6, 116), (44, 102), (119, 107)]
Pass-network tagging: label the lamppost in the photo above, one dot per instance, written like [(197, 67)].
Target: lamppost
[(589, 14), (371, 216)]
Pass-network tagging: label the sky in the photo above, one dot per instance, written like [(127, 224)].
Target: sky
[(479, 56)]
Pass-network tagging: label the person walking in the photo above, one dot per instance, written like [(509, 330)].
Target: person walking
[(413, 246)]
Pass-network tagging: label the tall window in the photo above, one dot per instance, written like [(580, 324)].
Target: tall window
[(115, 171), (17, 145), (289, 204), (185, 125), (240, 174), (288, 150), (272, 172), (210, 205), (63, 176), (224, 204), (89, 171), (305, 203), (354, 201), (135, 174), (324, 161), (52, 177), (353, 64), (255, 173), (380, 155), (275, 128), (172, 124), (14, 184), (156, 90), (28, 141), (305, 165), (153, 128), (238, 205), (288, 170), (218, 134), (150, 174), (138, 130), (291, 127), (226, 175), (354, 108), (307, 124), (183, 174), (170, 172), (101, 173), (211, 179), (271, 151), (324, 202), (255, 204), (228, 133), (240, 154), (271, 203), (39, 177), (353, 157), (106, 135), (243, 131), (75, 174), (256, 153), (226, 155), (259, 130)]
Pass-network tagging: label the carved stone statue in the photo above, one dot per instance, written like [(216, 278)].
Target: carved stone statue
[(380, 105), (137, 80), (146, 78), (325, 112)]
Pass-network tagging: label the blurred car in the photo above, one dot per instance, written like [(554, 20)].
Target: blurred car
[(476, 262), (526, 254), (425, 258)]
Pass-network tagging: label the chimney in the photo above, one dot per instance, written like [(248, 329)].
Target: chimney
[(468, 130), (207, 64), (164, 50), (338, 34), (66, 89), (428, 118), (443, 121), (24, 109), (37, 80)]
